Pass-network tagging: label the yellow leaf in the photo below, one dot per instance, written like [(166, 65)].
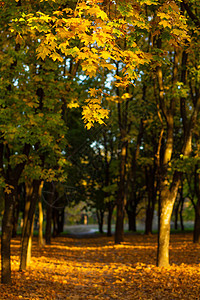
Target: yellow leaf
[(102, 15), (165, 23), (105, 54), (126, 96), (58, 13), (19, 39), (55, 56), (43, 51), (73, 104), (93, 92)]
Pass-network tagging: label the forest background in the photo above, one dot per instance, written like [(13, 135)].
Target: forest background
[(128, 70)]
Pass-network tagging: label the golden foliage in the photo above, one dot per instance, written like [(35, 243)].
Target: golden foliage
[(95, 268)]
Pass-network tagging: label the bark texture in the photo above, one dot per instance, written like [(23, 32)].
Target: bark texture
[(26, 242)]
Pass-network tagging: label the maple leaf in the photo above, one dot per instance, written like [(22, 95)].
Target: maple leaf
[(105, 54), (73, 104), (93, 92), (19, 39), (56, 56), (165, 23), (102, 15), (126, 96), (93, 112), (43, 51), (58, 13)]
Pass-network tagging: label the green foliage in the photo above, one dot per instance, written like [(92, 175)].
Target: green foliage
[(185, 164), (189, 213)]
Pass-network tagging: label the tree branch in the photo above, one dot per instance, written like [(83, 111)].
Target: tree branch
[(191, 14)]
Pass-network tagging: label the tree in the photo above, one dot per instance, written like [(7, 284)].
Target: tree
[(168, 103), (34, 126), (43, 48)]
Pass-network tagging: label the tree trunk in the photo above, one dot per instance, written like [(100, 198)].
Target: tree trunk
[(61, 220), (7, 227), (179, 208), (196, 233), (28, 193), (121, 197), (27, 228), (164, 235), (131, 218), (167, 198), (101, 222), (49, 215), (133, 200), (124, 127), (58, 221), (182, 203), (149, 220), (181, 215), (48, 224), (152, 187), (9, 198), (29, 249), (100, 217), (119, 228), (16, 216), (40, 232), (109, 204), (176, 214), (109, 220), (55, 222)]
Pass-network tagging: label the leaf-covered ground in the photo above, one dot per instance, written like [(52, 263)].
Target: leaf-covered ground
[(95, 268)]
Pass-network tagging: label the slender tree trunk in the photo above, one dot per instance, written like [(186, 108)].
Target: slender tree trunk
[(151, 184), (179, 208), (7, 227), (131, 212), (167, 198), (181, 215), (101, 226), (109, 204), (48, 224), (28, 194), (168, 192), (124, 127), (165, 217), (49, 215), (100, 218), (29, 249), (149, 220), (119, 228), (11, 178), (109, 220), (15, 216), (181, 204), (102, 221), (121, 198), (176, 214), (9, 198), (61, 221), (133, 200), (55, 222), (40, 233), (28, 225), (196, 234)]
